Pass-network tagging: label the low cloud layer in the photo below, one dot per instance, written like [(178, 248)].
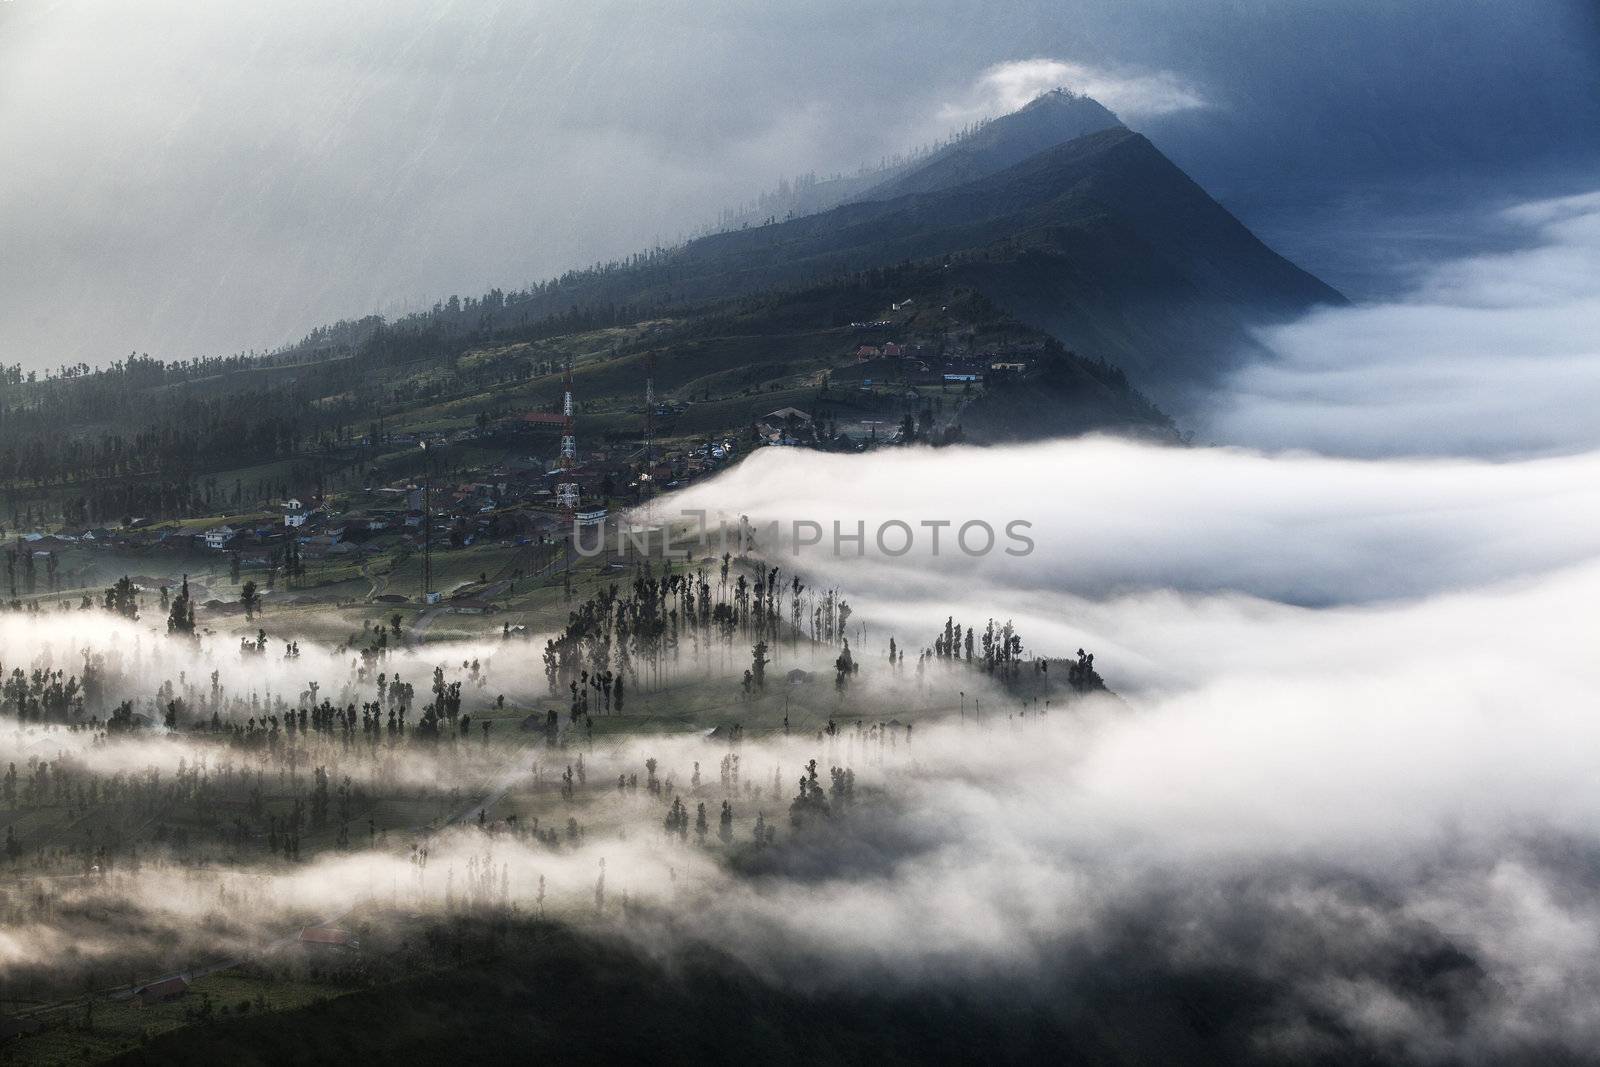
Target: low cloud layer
[(1377, 813), (1494, 355), (1110, 516), (1334, 800), (1355, 761)]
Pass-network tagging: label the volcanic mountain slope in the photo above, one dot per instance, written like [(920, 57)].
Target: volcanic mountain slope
[(1146, 288), (1101, 241)]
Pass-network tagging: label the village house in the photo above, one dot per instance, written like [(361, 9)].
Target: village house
[(785, 426), (359, 522), (161, 992), (181, 537), (322, 545), (783, 415), (962, 370)]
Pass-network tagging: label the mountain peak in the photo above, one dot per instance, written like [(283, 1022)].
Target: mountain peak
[(1049, 119), (1061, 100)]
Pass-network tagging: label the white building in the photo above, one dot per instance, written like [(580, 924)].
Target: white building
[(219, 536), (296, 518)]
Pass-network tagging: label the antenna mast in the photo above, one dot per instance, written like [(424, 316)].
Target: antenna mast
[(649, 408), (569, 438), (567, 492)]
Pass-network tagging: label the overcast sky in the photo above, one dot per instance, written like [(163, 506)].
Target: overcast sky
[(190, 178)]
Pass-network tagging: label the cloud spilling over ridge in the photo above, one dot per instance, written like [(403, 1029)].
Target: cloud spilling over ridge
[(1110, 515), (1005, 87), (1356, 759), (1382, 811), (1492, 355)]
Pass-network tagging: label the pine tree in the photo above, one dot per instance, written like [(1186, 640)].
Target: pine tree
[(180, 619)]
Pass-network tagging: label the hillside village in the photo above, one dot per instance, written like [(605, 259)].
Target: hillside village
[(948, 306), (501, 485)]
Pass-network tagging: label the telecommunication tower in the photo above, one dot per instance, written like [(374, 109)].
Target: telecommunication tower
[(649, 408), (569, 437)]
